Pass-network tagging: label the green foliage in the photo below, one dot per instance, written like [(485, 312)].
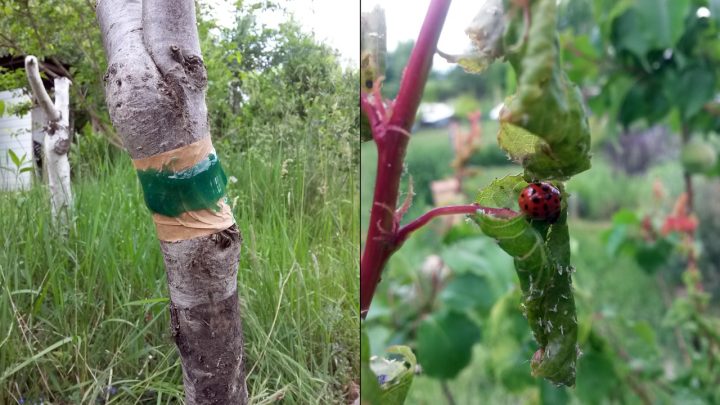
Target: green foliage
[(593, 386), (394, 66), (708, 212), (623, 237), (663, 61), (60, 34), (12, 79), (91, 154), (268, 88), (287, 92), (698, 156), (465, 104), (508, 339)]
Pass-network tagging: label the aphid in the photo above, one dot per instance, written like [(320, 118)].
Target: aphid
[(541, 200)]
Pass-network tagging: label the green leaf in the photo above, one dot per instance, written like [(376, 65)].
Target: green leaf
[(695, 87), (625, 216), (394, 375), (541, 253), (552, 395), (507, 336), (579, 69), (644, 100), (607, 10), (502, 193), (444, 343), (544, 125), (616, 238), (596, 378), (714, 6), (465, 257), (627, 34), (649, 25), (476, 255), (369, 386), (646, 333), (16, 161), (651, 256), (2, 107), (468, 291)]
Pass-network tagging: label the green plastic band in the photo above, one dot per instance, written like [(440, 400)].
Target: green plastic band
[(172, 193)]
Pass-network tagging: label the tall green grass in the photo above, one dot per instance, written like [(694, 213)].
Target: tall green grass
[(84, 319)]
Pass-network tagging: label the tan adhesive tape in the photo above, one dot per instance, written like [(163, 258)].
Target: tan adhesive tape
[(190, 224)]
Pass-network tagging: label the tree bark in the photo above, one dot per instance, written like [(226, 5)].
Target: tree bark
[(155, 91), (56, 142)]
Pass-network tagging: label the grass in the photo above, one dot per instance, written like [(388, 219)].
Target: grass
[(84, 318)]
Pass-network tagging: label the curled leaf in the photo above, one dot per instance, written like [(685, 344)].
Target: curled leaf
[(541, 254), (486, 33), (394, 375), (543, 126)]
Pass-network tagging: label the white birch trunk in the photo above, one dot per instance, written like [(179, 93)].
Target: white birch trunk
[(155, 91), (56, 142)]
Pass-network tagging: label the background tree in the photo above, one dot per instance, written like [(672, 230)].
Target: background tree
[(155, 89), (56, 142), (64, 35)]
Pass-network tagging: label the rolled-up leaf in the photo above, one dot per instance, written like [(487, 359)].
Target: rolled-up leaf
[(541, 253), (543, 126)]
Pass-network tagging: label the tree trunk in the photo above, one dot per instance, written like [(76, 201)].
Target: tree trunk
[(56, 142), (155, 91)]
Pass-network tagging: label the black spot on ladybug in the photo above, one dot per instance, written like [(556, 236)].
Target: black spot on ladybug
[(536, 200), (526, 207), (369, 84), (548, 196), (546, 207), (545, 188)]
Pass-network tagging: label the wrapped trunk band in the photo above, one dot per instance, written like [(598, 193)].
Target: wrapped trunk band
[(185, 190)]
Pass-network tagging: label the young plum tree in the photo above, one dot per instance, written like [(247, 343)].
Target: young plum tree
[(155, 91)]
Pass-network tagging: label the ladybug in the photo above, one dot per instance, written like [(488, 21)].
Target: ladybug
[(541, 200)]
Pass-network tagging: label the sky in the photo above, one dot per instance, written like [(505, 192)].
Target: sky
[(404, 19), (334, 22)]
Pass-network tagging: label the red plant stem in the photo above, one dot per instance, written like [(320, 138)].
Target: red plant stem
[(391, 152), (416, 224), (419, 222)]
